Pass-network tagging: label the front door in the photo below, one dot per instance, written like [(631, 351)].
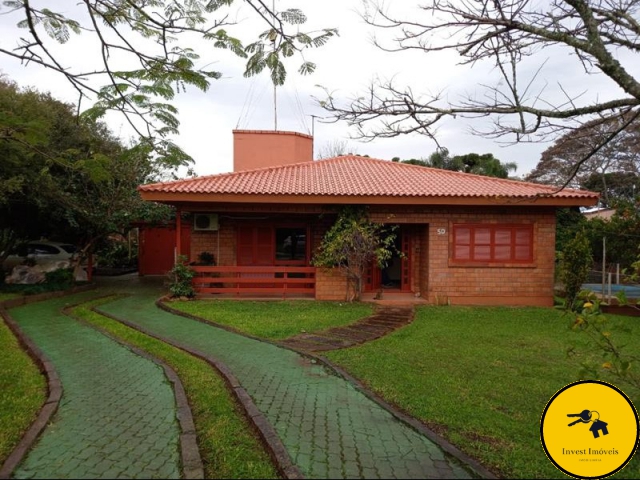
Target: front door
[(396, 276)]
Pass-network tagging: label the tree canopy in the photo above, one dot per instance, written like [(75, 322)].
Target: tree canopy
[(147, 52), (514, 36), (480, 164), (574, 159), (66, 177)]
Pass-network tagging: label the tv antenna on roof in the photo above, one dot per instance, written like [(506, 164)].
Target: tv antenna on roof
[(275, 96)]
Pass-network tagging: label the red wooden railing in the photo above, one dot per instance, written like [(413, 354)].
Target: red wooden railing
[(255, 280)]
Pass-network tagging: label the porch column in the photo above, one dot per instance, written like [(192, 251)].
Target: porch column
[(178, 251)]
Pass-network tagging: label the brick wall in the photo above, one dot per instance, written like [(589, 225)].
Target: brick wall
[(204, 241), (331, 284), (432, 275), (440, 282)]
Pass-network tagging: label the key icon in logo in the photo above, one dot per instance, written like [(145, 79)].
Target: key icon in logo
[(590, 416)]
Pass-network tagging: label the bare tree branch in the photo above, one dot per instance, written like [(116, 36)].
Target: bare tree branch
[(598, 34)]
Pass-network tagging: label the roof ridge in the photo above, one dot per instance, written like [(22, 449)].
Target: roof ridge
[(498, 179), (337, 167)]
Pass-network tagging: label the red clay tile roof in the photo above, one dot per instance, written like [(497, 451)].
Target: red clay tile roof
[(360, 176)]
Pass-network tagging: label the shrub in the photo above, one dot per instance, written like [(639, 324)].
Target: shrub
[(180, 279), (352, 244), (575, 263), (60, 279), (115, 254), (206, 258)]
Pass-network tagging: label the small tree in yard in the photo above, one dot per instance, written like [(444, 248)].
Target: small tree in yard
[(575, 263), (351, 244), (180, 278)]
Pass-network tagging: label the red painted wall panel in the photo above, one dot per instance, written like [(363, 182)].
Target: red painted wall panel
[(156, 248)]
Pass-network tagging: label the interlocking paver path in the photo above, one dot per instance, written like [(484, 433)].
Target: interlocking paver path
[(384, 321), (117, 416), (330, 429)]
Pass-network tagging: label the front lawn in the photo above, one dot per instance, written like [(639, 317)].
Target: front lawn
[(22, 391), (276, 320), (7, 296), (481, 377)]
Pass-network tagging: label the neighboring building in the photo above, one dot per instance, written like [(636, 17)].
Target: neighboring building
[(603, 213), (466, 239)]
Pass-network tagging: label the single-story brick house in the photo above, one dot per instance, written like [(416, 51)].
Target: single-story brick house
[(466, 239)]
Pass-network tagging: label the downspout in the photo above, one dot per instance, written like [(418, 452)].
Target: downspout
[(178, 250)]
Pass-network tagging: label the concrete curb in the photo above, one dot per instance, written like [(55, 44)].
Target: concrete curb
[(399, 414), (27, 299), (265, 430), (192, 467), (54, 389)]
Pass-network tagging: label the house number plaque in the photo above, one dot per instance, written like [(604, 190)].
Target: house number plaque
[(441, 231)]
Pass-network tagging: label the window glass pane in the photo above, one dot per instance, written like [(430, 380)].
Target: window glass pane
[(503, 237), (523, 252), (69, 248), (462, 252), (463, 236), (502, 252), (523, 236), (42, 249), (482, 252), (291, 244), (482, 236)]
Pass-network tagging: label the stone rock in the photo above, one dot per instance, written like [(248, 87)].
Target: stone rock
[(25, 275), (80, 274)]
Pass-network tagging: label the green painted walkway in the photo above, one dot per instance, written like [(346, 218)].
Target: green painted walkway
[(117, 415), (329, 428)]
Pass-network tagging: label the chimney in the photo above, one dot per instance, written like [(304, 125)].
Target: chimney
[(267, 148)]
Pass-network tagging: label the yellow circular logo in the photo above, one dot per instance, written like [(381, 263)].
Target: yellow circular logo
[(589, 429)]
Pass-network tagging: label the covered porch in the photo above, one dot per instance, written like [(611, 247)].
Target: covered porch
[(268, 253)]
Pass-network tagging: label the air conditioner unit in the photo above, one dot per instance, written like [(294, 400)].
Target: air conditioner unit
[(205, 221)]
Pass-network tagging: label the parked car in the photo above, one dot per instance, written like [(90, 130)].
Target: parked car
[(40, 252)]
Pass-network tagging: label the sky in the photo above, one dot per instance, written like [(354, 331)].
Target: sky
[(345, 67)]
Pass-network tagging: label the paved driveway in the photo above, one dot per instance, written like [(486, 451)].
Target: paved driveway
[(330, 429), (117, 415)]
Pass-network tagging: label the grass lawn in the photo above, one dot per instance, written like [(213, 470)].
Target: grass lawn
[(276, 320), (228, 445), (22, 391), (481, 377)]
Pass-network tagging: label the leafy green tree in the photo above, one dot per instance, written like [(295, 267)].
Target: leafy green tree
[(569, 221), (614, 187), (352, 244), (622, 234), (485, 164), (148, 51), (68, 177), (576, 159)]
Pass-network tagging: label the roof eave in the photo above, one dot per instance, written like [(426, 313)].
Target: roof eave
[(552, 201)]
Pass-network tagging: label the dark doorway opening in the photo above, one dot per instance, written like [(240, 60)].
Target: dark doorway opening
[(396, 275), (391, 275)]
